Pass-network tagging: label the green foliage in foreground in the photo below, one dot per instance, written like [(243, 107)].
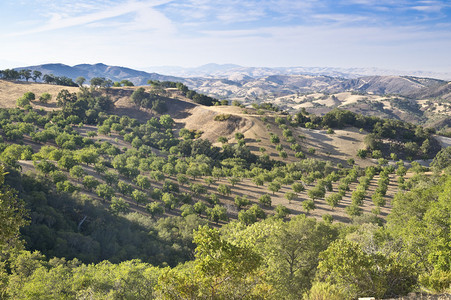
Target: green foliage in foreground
[(270, 259)]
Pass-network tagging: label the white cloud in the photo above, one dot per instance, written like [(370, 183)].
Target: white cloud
[(59, 20), (427, 8)]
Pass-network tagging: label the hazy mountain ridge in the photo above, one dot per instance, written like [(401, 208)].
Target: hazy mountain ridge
[(227, 70), (241, 85), (442, 91), (282, 85), (115, 73)]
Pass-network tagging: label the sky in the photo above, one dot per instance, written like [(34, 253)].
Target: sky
[(390, 34)]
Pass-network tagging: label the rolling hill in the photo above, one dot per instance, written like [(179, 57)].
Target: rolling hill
[(414, 99)]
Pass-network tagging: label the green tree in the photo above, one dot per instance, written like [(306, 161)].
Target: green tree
[(362, 153), (247, 217), (209, 181), (104, 191), (143, 182), (139, 197), (442, 160), (420, 220), (353, 210), (186, 210), (65, 186), (241, 201), (25, 74), (45, 167), (290, 196), (36, 75), (124, 188), (281, 211), (297, 187), (213, 199), (45, 98), (22, 102), (274, 139), (80, 81), (77, 172), (90, 183), (169, 200), (110, 177), (12, 216), (308, 205), (234, 180), (358, 196), (316, 192), (358, 274), (58, 176), (224, 189), (66, 162), (118, 205), (265, 200), (222, 270), (155, 209), (217, 213), (333, 199), (239, 136), (199, 207), (198, 189), (182, 179), (166, 121), (223, 140), (291, 253), (274, 187)]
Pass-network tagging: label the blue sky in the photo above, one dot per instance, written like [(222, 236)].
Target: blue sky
[(394, 34)]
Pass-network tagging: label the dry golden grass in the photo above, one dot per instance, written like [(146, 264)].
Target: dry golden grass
[(11, 91)]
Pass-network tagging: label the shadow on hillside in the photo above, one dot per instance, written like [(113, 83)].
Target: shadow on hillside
[(348, 138), (179, 109), (38, 104), (132, 112)]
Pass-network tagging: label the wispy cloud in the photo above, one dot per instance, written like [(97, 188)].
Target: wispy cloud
[(61, 20)]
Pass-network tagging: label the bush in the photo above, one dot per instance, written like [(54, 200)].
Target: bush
[(362, 153), (222, 117), (265, 200), (45, 98), (281, 211), (22, 102), (324, 291)]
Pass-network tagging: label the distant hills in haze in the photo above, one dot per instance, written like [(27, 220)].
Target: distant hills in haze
[(227, 70), (89, 71), (231, 81)]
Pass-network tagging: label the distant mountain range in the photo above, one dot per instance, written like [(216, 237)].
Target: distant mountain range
[(236, 82), (88, 71), (228, 70)]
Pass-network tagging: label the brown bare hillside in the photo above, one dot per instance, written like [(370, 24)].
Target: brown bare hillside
[(11, 91)]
